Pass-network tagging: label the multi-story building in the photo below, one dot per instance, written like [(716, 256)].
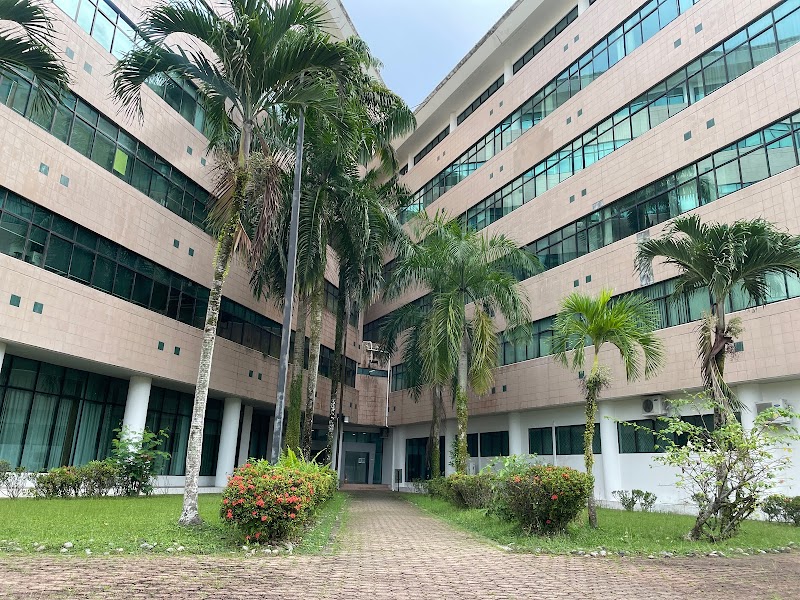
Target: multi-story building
[(105, 269), (575, 129), (578, 131)]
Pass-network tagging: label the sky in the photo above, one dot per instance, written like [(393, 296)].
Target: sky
[(420, 41)]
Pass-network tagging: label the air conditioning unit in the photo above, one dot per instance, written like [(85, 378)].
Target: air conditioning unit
[(384, 433), (781, 404), (655, 406)]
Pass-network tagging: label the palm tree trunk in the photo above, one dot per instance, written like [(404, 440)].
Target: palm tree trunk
[(296, 386), (460, 458), (291, 264), (722, 402), (190, 514), (436, 425), (315, 336), (338, 363), (592, 392)]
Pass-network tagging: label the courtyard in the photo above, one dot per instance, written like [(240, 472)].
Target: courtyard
[(389, 548)]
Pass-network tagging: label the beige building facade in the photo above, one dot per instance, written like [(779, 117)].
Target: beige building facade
[(578, 130)]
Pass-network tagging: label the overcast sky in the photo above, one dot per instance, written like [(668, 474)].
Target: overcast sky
[(420, 41)]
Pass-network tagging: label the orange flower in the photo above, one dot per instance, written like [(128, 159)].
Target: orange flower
[(554, 497)]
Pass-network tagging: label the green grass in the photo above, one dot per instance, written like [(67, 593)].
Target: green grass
[(107, 524), (619, 531), (330, 521)]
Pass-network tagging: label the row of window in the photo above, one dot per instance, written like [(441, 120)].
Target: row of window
[(546, 39), (752, 45), (759, 156), (487, 93), (638, 437), (432, 144), (83, 128), (40, 237), (754, 158), (631, 34), (117, 34)]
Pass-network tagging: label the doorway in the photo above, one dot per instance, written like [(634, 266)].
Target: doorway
[(356, 467)]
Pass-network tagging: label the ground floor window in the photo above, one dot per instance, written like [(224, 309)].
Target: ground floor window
[(415, 459), (494, 443), (51, 416), (172, 411), (637, 437), (569, 439), (540, 441)]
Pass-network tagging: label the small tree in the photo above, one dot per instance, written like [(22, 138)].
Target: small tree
[(137, 457), (726, 469), (627, 323)]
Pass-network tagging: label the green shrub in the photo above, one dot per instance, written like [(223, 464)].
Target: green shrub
[(504, 468), (137, 459), (546, 499), (646, 500), (98, 477), (784, 509), (269, 502), (61, 482), (472, 491), (14, 480), (439, 487)]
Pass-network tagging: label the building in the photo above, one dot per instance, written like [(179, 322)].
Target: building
[(105, 268), (105, 263), (577, 131)]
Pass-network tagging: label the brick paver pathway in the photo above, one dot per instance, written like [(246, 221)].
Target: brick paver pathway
[(391, 549)]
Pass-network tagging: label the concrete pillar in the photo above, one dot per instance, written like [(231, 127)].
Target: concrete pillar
[(135, 415), (226, 457), (582, 6), (244, 441), (508, 71), (2, 353), (516, 435), (410, 161), (612, 475), (749, 395), (453, 122)]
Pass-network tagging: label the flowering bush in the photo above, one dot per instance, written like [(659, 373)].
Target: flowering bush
[(268, 502), (546, 499), (61, 482), (472, 491)]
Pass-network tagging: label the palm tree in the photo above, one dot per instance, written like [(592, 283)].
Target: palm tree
[(252, 58), (411, 323), (627, 323), (26, 46), (360, 241), (461, 266), (722, 259)]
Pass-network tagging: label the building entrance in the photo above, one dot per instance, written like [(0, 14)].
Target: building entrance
[(356, 467)]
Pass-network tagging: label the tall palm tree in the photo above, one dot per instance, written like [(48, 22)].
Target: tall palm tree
[(360, 244), (721, 259), (410, 324), (628, 324), (255, 56), (26, 46), (461, 266)]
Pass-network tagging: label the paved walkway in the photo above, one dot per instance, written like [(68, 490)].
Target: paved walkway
[(390, 549)]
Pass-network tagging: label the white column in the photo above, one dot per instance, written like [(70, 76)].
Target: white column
[(453, 122), (582, 6), (612, 476), (410, 161), (2, 353), (508, 71), (244, 442), (749, 395), (516, 435), (135, 415), (226, 457)]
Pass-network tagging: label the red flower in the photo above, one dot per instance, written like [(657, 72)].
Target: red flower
[(548, 521), (229, 514), (258, 534), (565, 475), (225, 501), (292, 515), (263, 518), (554, 497)]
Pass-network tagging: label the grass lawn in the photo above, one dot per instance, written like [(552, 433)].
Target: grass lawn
[(619, 531), (107, 524)]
